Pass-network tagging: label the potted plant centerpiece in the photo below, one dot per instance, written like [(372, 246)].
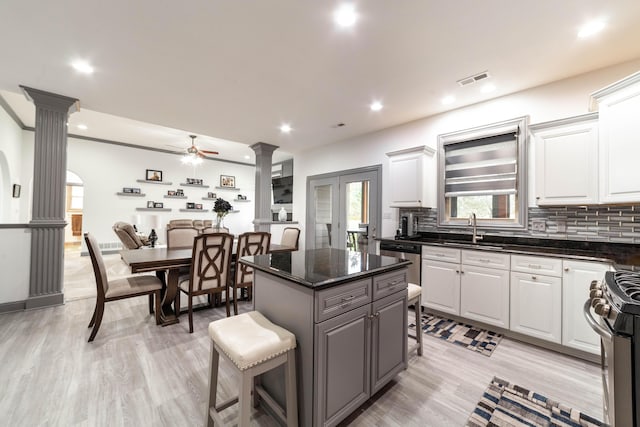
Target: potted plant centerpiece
[(221, 207)]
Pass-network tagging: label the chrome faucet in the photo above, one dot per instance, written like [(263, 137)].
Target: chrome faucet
[(472, 222)]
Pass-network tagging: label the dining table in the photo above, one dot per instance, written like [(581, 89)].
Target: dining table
[(167, 264)]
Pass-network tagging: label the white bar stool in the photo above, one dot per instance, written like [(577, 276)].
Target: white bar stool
[(253, 345), (415, 297)]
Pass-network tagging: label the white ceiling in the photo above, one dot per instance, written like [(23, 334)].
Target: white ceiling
[(230, 70)]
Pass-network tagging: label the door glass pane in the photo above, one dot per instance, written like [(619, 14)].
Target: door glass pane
[(323, 209), (357, 205)]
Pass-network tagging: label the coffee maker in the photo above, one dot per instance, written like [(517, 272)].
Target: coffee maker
[(408, 225)]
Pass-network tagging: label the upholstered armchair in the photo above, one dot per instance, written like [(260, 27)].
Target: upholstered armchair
[(128, 236)]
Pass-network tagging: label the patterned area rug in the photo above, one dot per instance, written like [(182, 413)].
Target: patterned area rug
[(468, 336), (505, 404)]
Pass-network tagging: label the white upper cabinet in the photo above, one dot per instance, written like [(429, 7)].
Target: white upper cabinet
[(406, 176), (566, 159), (619, 140)]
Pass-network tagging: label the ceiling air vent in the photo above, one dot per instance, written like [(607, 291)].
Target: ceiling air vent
[(472, 79)]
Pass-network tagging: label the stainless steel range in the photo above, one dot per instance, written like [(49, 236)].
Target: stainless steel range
[(616, 304)]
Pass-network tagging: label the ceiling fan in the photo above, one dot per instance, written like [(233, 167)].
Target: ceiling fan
[(194, 154)]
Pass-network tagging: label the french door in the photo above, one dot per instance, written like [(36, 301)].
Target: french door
[(343, 210)]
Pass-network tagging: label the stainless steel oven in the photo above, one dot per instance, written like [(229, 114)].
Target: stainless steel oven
[(613, 311)]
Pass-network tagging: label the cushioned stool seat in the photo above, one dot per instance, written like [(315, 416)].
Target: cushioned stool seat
[(415, 298), (253, 345)]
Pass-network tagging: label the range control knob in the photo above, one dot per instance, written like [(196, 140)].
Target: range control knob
[(595, 284), (595, 293), (602, 309), (597, 301)]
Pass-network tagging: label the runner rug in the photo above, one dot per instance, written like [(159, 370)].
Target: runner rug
[(471, 337), (505, 404)]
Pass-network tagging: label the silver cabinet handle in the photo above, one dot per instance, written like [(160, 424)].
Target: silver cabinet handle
[(566, 269), (347, 299), (534, 277)]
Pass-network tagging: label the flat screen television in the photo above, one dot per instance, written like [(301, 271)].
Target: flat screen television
[(282, 190)]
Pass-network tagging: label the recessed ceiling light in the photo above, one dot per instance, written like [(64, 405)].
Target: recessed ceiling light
[(82, 127), (285, 128), (82, 67), (345, 16), (590, 28), (376, 106), (489, 87), (448, 100)]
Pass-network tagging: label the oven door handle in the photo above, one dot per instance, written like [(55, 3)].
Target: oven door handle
[(600, 330)]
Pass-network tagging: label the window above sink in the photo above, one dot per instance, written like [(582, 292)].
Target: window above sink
[(482, 171)]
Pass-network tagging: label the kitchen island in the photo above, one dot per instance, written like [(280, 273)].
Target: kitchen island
[(348, 311)]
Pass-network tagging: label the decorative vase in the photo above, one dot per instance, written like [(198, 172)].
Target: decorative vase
[(220, 221), (282, 215)]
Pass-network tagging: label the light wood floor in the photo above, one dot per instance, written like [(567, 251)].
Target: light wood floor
[(138, 374)]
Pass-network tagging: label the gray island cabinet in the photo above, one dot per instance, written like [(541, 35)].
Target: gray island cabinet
[(348, 311)]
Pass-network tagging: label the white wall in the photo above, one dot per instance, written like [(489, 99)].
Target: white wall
[(15, 264), (106, 168), (555, 100), (11, 170)]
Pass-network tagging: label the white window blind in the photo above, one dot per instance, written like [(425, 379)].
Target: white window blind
[(483, 166)]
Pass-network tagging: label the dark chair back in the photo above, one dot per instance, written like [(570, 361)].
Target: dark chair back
[(211, 261)]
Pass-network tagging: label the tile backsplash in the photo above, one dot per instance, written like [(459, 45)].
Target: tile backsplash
[(598, 223)]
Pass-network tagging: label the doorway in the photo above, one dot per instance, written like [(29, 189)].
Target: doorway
[(343, 209), (73, 212)]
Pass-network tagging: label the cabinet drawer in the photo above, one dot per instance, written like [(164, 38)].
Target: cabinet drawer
[(387, 284), (537, 265), (486, 259), (438, 253), (342, 298)]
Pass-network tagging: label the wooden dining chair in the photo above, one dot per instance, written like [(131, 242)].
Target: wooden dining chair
[(252, 243), (209, 272), (113, 290)]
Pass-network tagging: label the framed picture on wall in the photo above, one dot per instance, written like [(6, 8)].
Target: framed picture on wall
[(227, 181), (127, 190), (158, 205), (154, 175), (150, 204), (198, 205)]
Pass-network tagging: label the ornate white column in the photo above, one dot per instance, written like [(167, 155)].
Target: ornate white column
[(49, 180), (264, 156)]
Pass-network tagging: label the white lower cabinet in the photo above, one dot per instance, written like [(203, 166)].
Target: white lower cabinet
[(536, 306), (536, 297), (484, 287), (576, 279), (441, 286)]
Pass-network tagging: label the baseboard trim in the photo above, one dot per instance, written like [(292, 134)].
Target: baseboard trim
[(10, 307), (42, 301)]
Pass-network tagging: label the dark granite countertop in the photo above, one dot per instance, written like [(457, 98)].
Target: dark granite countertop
[(622, 255), (322, 268)]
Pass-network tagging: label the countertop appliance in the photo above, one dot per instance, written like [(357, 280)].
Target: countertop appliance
[(616, 303), (408, 225), (408, 251)]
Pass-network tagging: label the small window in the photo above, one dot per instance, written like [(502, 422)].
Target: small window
[(482, 171), (75, 195)]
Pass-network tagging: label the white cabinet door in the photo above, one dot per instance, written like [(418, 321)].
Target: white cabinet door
[(576, 280), (536, 306), (566, 161), (484, 295), (405, 173), (441, 286), (619, 140)]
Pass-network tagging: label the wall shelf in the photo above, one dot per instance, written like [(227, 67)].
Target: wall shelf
[(184, 184), (154, 209), (194, 210), (131, 194), (228, 188), (174, 197), (241, 200), (209, 198), (154, 182)]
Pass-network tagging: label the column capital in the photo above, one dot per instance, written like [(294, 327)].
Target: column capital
[(51, 101), (262, 148)]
